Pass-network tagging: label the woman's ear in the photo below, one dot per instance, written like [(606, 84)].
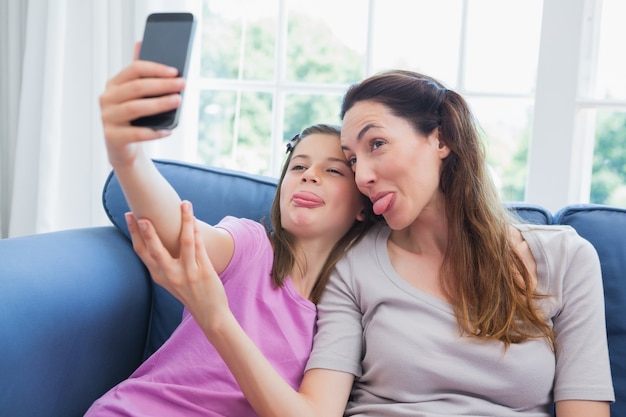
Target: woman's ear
[(444, 150)]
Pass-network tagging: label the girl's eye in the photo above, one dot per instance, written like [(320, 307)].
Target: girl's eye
[(335, 171), (298, 167)]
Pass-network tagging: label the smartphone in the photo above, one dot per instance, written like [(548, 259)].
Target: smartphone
[(167, 39)]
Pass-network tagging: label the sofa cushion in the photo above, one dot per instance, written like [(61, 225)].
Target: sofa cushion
[(214, 193), (605, 228)]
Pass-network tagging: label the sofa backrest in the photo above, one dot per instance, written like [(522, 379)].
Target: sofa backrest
[(214, 193), (530, 213)]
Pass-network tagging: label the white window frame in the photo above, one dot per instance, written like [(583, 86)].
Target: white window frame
[(562, 140)]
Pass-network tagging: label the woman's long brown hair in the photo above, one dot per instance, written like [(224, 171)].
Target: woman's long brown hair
[(489, 286), (283, 242)]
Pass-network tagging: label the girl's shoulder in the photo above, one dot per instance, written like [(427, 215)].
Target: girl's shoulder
[(240, 226)]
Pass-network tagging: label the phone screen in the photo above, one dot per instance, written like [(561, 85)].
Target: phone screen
[(167, 39)]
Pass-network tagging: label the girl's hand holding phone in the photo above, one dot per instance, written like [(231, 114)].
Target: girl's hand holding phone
[(142, 102)]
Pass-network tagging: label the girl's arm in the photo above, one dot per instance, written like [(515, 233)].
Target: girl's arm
[(141, 89), (146, 191), (192, 279)]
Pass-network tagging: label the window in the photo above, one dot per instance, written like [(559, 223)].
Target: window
[(271, 67), (606, 105)]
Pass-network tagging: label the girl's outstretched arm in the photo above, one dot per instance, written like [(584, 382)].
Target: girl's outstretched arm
[(141, 89), (124, 99), (193, 280)]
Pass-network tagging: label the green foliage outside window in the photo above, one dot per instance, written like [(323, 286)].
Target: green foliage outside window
[(609, 162)]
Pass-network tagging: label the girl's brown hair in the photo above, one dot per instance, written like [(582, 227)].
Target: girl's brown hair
[(283, 242), (487, 282)]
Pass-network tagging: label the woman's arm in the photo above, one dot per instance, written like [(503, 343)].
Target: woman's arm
[(582, 357), (193, 280), (572, 408)]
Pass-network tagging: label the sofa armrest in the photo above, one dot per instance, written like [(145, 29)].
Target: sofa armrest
[(74, 311)]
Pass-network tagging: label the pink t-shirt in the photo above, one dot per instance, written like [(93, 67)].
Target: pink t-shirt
[(187, 377)]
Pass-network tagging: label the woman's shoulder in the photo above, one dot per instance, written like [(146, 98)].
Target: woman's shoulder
[(552, 237), (559, 253), (367, 252)]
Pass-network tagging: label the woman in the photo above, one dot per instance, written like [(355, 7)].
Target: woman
[(450, 308), (271, 280)]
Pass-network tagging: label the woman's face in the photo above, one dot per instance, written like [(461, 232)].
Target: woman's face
[(396, 167)]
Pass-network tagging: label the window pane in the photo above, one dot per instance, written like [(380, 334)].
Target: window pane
[(239, 39), (234, 130), (506, 124), (610, 81), (419, 35), (502, 45), (302, 110), (321, 47), (608, 181)]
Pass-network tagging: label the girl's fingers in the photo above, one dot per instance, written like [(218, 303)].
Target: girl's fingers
[(135, 236), (153, 243), (124, 112), (140, 88), (139, 245), (187, 236), (143, 69), (136, 51)]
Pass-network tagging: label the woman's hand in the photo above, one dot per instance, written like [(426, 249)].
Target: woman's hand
[(141, 89), (190, 277)]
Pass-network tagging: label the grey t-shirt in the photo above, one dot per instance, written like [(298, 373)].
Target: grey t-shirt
[(404, 346)]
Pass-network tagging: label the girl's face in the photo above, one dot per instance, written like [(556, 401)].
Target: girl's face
[(318, 196), (396, 167)]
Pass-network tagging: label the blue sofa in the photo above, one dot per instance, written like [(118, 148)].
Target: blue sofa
[(79, 312)]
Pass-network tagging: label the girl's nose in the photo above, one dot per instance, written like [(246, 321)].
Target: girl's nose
[(311, 175)]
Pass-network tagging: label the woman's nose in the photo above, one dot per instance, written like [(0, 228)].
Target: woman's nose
[(363, 174)]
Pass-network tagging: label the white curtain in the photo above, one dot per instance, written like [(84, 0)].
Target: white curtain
[(57, 56)]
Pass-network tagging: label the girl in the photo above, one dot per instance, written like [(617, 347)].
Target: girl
[(271, 280)]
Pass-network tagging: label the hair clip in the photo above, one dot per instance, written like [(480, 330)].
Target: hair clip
[(292, 143)]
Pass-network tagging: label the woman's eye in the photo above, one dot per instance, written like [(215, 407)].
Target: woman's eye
[(376, 143), (352, 161)]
